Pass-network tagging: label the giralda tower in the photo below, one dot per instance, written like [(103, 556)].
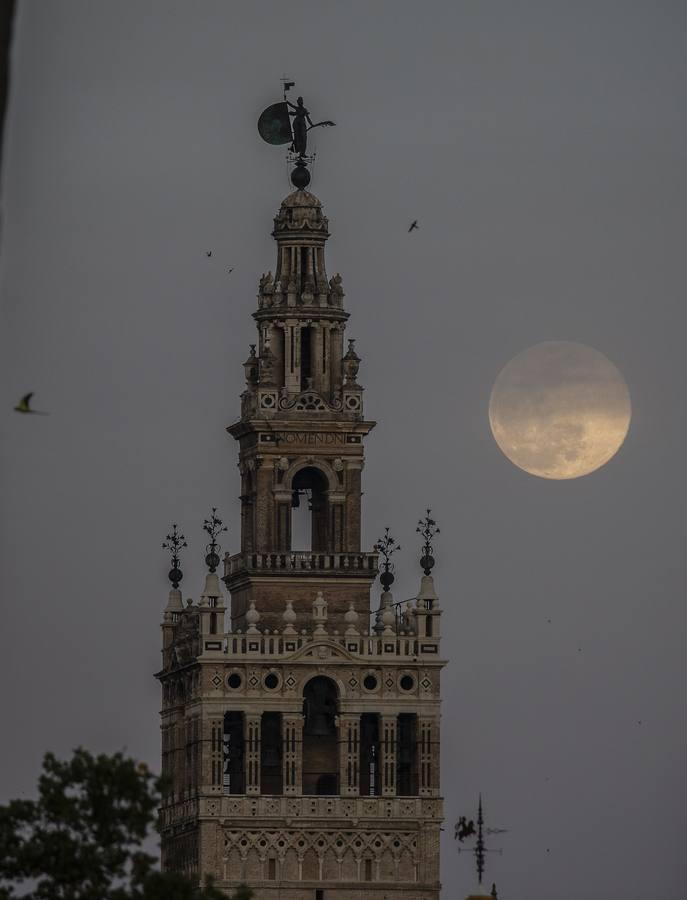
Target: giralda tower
[(301, 736)]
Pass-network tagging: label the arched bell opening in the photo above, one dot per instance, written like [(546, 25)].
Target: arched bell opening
[(309, 510), (320, 740)]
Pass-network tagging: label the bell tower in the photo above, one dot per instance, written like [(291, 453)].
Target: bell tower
[(301, 436), (300, 735)]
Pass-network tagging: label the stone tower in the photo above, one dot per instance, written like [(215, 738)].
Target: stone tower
[(302, 739)]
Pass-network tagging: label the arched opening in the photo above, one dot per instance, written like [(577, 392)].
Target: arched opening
[(271, 754), (233, 780), (309, 507), (320, 745), (369, 755)]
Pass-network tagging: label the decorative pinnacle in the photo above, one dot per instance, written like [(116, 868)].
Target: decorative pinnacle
[(427, 527), (174, 542), (466, 829), (213, 526), (386, 546), (479, 847)]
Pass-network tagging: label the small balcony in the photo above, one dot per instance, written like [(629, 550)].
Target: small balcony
[(302, 562)]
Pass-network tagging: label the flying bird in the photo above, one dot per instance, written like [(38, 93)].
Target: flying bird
[(208, 253), (24, 406), (413, 224), (464, 828), (231, 270)]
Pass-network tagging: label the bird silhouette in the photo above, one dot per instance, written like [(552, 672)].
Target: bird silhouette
[(24, 406), (208, 253), (413, 225), (231, 270)]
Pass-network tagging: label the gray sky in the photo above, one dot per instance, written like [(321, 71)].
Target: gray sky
[(542, 148)]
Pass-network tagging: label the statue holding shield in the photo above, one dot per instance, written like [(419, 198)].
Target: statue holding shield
[(275, 126)]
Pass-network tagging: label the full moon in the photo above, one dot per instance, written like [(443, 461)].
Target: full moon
[(560, 410)]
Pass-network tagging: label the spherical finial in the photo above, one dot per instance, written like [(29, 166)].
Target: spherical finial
[(300, 177)]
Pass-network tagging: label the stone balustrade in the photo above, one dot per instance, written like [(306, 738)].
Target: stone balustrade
[(326, 645), (300, 561)]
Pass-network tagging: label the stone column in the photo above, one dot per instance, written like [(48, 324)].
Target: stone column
[(283, 527), (388, 755), (428, 776), (335, 357), (252, 756), (349, 755), (211, 755), (336, 541), (264, 509), (292, 743), (325, 360), (317, 337), (292, 356), (352, 525)]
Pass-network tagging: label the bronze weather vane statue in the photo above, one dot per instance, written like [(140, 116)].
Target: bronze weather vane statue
[(275, 127)]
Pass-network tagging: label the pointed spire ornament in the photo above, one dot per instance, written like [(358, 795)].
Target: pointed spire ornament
[(466, 829), (213, 526), (174, 543)]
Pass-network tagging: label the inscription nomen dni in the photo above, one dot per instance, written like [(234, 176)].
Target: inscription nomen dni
[(310, 437)]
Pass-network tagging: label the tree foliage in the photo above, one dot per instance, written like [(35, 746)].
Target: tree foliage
[(82, 838)]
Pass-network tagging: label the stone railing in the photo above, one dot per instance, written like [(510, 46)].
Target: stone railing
[(326, 645), (302, 561)]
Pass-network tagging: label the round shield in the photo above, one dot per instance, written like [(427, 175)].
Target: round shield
[(274, 124)]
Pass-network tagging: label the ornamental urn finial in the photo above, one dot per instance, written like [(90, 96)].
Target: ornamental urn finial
[(427, 527), (252, 617), (289, 617), (174, 543), (351, 363), (386, 546), (319, 613), (351, 619), (214, 526)]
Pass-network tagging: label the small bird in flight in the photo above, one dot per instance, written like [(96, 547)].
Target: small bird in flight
[(24, 406), (413, 225), (231, 270), (208, 253)]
